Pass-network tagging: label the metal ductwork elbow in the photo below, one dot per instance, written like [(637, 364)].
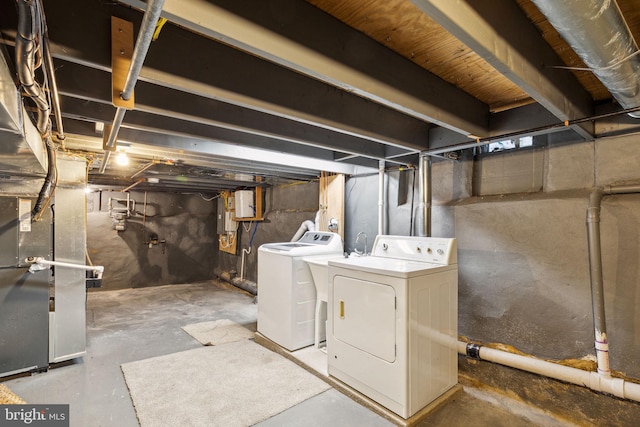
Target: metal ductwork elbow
[(597, 32)]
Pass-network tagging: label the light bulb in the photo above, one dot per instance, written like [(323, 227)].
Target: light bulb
[(122, 159)]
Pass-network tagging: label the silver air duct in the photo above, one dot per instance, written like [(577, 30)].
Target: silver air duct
[(597, 32)]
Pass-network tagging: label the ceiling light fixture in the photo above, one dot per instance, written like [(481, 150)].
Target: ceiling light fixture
[(122, 159)]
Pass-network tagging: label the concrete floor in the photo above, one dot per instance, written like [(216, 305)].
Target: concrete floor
[(135, 324)]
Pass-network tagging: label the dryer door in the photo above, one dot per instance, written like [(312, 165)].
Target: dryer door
[(365, 316)]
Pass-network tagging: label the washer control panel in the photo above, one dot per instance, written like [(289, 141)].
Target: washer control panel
[(436, 250), (318, 237)]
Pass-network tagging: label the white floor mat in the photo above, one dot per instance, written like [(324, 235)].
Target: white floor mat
[(235, 384), (218, 332)]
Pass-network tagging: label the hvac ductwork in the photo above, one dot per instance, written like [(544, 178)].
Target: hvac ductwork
[(597, 32)]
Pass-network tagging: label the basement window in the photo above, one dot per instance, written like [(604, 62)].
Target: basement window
[(508, 144)]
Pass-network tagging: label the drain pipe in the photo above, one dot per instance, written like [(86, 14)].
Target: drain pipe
[(600, 381), (246, 251), (593, 380), (424, 191), (307, 225), (597, 288), (381, 209), (145, 36), (595, 265)]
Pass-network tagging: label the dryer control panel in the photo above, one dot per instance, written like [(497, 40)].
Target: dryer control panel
[(435, 250)]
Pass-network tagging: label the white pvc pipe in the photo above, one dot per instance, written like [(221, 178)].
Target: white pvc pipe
[(244, 251), (43, 262), (305, 226), (593, 380), (317, 219)]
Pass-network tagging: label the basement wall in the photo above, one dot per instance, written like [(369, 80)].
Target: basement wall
[(285, 208), (523, 259), (185, 221)]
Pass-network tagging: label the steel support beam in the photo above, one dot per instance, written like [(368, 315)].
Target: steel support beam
[(171, 103), (218, 155), (508, 41), (138, 120)]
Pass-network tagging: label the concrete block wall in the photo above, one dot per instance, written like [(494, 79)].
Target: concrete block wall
[(523, 260), (285, 208), (186, 222)]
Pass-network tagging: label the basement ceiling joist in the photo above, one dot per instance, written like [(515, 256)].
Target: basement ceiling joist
[(323, 84), (186, 62), (332, 53), (200, 151), (505, 38), (205, 117)]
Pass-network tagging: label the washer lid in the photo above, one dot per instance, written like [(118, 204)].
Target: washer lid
[(390, 266), (312, 243)]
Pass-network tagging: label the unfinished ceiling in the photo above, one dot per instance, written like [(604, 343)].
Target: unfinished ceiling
[(284, 89)]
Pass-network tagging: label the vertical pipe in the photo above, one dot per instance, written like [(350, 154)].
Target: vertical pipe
[(597, 288), (595, 267), (381, 192), (424, 191)]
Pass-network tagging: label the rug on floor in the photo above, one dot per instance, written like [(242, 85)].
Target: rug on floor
[(218, 332), (235, 384), (7, 397)]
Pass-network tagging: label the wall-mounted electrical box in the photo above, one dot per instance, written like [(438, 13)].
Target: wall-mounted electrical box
[(220, 218), (244, 204)]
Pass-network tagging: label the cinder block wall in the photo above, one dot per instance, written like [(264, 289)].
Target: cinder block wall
[(285, 208), (187, 224), (523, 259)]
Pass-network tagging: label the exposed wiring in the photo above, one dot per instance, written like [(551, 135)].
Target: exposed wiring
[(159, 25), (231, 237), (249, 228), (217, 196), (50, 183), (29, 43), (608, 67), (253, 234)]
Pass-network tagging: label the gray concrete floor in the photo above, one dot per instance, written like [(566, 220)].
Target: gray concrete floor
[(135, 324)]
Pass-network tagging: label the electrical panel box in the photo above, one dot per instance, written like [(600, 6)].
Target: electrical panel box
[(220, 217), (244, 204)]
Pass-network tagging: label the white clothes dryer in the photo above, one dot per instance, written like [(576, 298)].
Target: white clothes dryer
[(286, 292), (393, 321)]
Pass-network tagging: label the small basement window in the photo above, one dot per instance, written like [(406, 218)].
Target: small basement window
[(508, 144)]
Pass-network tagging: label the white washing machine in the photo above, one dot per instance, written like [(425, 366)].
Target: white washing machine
[(286, 293), (393, 321)]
